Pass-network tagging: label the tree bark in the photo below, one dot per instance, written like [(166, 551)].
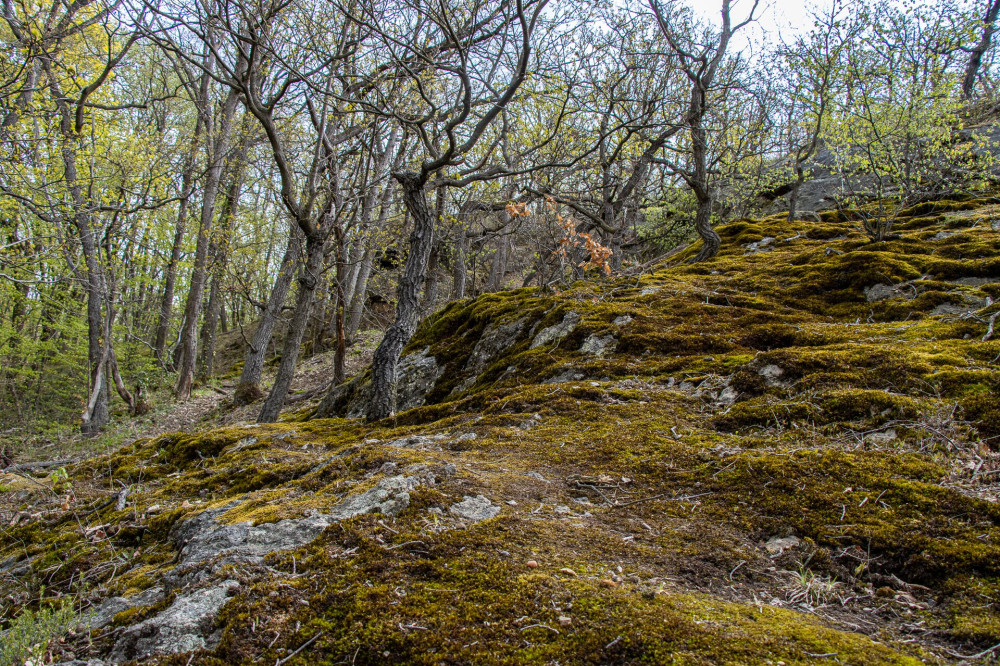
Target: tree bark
[(358, 297), (296, 330), (170, 276), (213, 177), (386, 359), (219, 251), (460, 269), (95, 416), (977, 53), (248, 388)]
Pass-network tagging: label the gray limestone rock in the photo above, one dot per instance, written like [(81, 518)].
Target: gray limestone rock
[(184, 626), (203, 538), (388, 496), (416, 375), (881, 292), (950, 309), (771, 374), (475, 509), (556, 332), (777, 545), (599, 345), (728, 396), (765, 244), (565, 376), (105, 613), (494, 341)]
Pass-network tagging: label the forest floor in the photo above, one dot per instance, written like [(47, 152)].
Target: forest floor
[(786, 455)]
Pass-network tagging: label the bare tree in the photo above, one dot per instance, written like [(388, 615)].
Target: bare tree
[(701, 58), (448, 126)]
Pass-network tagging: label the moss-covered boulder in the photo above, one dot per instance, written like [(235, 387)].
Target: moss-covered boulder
[(749, 461)]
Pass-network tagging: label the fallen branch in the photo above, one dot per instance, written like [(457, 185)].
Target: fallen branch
[(978, 655), (41, 464), (989, 330), (683, 498), (302, 647)]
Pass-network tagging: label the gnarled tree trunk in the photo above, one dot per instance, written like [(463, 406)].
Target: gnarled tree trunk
[(383, 396)]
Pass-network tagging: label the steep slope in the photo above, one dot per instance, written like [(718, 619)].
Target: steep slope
[(779, 456)]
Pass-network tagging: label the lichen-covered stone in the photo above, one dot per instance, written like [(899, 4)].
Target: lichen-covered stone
[(183, 627), (747, 400), (556, 332), (475, 509)]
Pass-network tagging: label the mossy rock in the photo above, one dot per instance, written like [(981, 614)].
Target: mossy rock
[(758, 462)]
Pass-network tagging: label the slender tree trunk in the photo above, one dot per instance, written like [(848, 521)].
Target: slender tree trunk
[(219, 251), (358, 297), (248, 388), (498, 268), (711, 242), (170, 276), (340, 358), (460, 269), (308, 282), (213, 177), (95, 415)]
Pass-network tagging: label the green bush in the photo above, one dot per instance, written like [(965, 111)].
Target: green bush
[(31, 632)]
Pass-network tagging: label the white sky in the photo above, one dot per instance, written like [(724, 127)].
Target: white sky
[(776, 18)]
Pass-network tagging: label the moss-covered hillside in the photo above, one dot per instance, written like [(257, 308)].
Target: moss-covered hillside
[(785, 455)]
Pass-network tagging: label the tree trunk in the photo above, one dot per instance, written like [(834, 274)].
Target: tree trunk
[(703, 225), (213, 177), (219, 251), (977, 53), (431, 284), (461, 270), (296, 329), (793, 195), (383, 396), (499, 266), (700, 182), (358, 297), (248, 388), (170, 277), (95, 416)]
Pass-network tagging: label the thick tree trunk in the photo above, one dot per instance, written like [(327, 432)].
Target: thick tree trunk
[(383, 396), (213, 177), (296, 330), (432, 281), (248, 388), (977, 53)]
